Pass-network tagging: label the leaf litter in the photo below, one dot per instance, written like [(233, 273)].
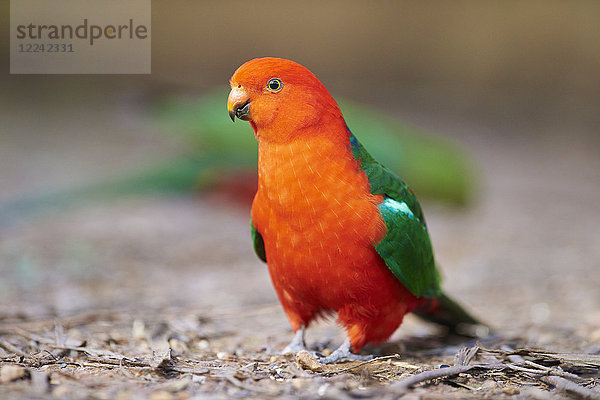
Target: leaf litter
[(163, 359)]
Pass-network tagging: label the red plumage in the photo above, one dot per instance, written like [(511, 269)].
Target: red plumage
[(314, 208)]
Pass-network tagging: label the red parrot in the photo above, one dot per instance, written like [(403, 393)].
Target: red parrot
[(339, 232)]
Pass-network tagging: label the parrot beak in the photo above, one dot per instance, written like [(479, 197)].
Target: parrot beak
[(238, 105)]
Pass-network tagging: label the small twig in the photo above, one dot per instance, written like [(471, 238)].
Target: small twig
[(119, 362), (465, 355), (442, 373), (14, 349), (337, 371), (90, 352), (51, 355), (566, 386), (241, 385), (518, 368), (28, 335), (551, 376), (583, 360), (517, 359), (554, 371)]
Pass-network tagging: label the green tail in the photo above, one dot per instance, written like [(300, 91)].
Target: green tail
[(444, 311)]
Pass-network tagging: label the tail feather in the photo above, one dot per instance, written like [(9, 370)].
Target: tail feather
[(444, 311)]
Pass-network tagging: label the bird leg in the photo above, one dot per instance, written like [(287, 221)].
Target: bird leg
[(297, 344), (343, 353)]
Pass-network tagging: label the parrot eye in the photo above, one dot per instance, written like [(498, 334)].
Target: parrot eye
[(274, 85)]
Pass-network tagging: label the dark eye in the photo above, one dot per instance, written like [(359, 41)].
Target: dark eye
[(274, 85)]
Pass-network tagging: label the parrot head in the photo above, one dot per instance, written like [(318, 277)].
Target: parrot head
[(279, 98)]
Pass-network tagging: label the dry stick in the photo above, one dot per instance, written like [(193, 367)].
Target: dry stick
[(13, 349), (31, 336), (560, 384), (251, 388), (565, 385), (583, 360), (465, 355), (442, 373), (88, 351), (337, 371), (104, 357), (92, 352), (555, 371), (119, 362), (541, 370)]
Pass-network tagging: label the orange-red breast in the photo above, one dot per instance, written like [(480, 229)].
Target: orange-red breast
[(338, 231)]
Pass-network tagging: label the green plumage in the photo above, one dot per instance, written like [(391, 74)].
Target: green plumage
[(258, 242), (406, 249)]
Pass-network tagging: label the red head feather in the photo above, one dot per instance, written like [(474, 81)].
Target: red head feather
[(302, 102)]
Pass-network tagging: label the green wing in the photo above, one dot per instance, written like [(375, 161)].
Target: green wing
[(406, 249), (259, 243)]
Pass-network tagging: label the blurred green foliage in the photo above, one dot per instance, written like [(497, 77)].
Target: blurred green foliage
[(215, 148), (434, 167)]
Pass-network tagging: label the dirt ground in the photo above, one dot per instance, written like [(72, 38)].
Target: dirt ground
[(163, 298)]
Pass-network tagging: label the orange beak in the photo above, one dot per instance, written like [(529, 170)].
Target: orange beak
[(238, 104)]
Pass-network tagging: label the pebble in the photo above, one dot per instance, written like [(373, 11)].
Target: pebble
[(9, 373), (161, 395), (510, 390), (595, 335), (138, 330)]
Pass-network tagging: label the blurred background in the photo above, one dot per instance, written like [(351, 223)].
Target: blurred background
[(126, 192)]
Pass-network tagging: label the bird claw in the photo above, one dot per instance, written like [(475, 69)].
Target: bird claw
[(336, 357), (293, 348), (297, 344), (343, 353)]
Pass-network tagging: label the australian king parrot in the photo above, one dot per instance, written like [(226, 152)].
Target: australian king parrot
[(340, 233)]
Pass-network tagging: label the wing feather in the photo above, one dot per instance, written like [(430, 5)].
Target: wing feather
[(258, 242), (406, 249)]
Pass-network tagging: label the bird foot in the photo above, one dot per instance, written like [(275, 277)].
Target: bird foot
[(336, 357), (293, 348), (343, 353), (297, 344)]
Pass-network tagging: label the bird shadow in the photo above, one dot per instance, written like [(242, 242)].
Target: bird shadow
[(436, 345)]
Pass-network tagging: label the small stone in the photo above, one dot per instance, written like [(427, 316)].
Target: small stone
[(10, 372), (323, 389), (299, 383), (55, 379), (239, 375), (125, 395), (161, 395), (306, 360), (138, 330), (536, 394), (253, 366), (178, 345), (177, 385), (595, 335), (203, 344), (489, 385), (61, 391), (510, 390)]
